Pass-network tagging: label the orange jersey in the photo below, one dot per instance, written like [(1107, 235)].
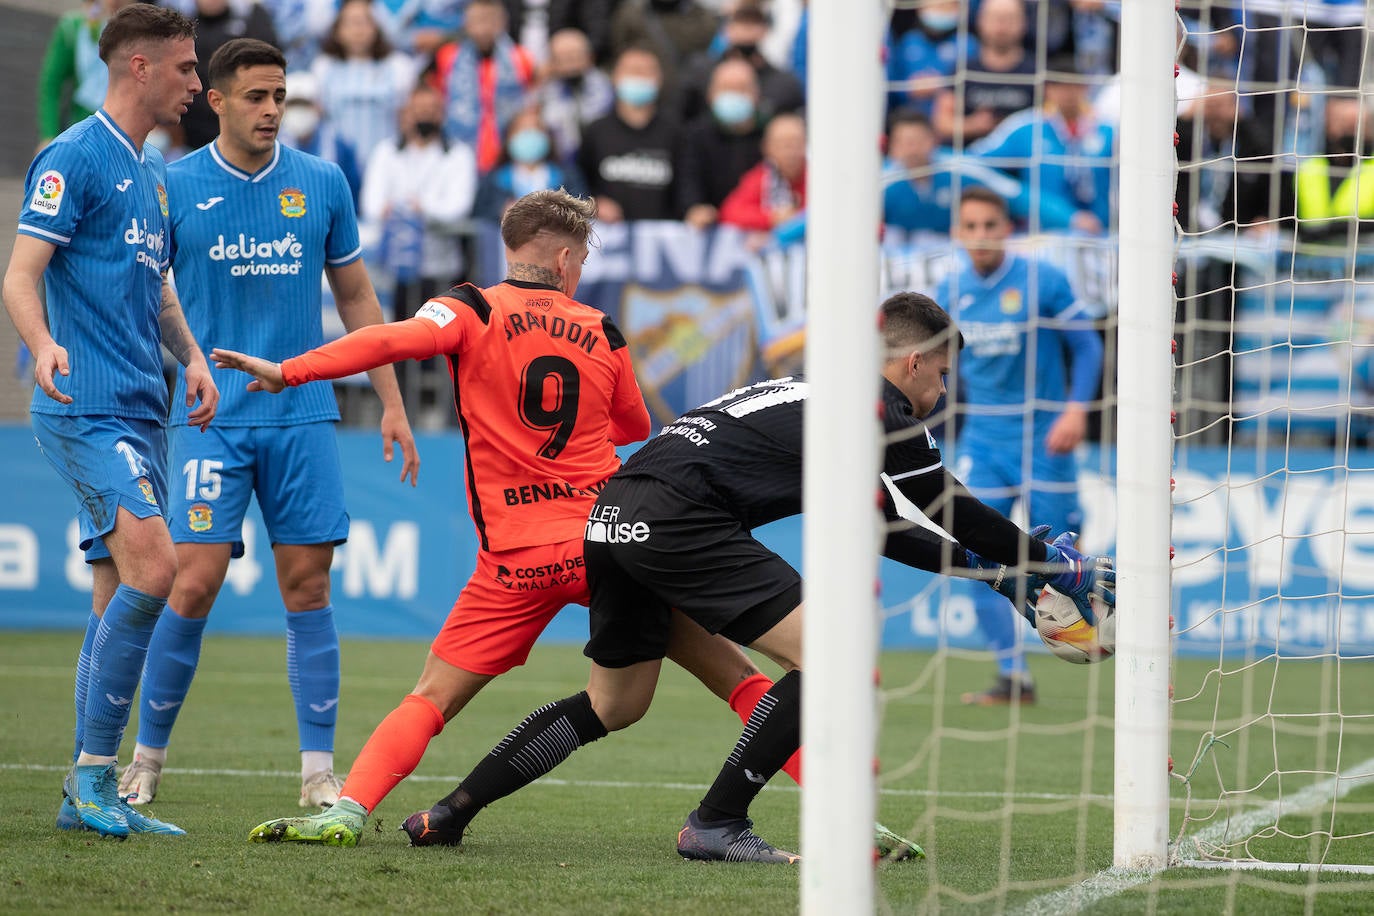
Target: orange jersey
[(544, 391)]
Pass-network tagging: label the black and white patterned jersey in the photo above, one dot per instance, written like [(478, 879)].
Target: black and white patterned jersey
[(743, 453)]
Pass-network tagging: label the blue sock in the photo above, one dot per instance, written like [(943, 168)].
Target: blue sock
[(172, 658), (998, 622), (121, 645), (312, 667), (83, 680)]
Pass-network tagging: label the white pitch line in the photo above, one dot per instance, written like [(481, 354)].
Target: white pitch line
[(1343, 784), (1112, 881), (1107, 883), (584, 783)]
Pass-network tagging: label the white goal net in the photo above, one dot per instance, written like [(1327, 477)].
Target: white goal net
[(1273, 575), (1227, 462)]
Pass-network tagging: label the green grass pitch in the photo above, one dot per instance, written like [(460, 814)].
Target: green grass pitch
[(1010, 806)]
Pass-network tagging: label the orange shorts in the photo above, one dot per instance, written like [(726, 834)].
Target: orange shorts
[(508, 602)]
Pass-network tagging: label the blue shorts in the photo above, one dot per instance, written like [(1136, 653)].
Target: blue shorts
[(294, 470), (996, 474), (108, 462)]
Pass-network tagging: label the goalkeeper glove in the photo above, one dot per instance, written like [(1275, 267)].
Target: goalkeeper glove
[(1010, 585), (1080, 575)]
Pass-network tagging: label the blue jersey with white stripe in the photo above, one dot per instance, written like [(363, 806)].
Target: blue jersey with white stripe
[(248, 257), (1022, 329), (926, 203), (1067, 168), (103, 203)]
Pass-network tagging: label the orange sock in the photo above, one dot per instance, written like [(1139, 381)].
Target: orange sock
[(744, 698), (393, 752)]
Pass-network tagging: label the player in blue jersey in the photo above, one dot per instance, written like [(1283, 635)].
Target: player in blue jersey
[(94, 228), (255, 224), (1029, 344), (921, 184), (1060, 154)]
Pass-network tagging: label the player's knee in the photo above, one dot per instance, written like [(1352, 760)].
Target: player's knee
[(153, 578), (619, 711), (305, 592), (193, 595)]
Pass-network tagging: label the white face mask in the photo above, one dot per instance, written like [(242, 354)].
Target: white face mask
[(300, 121)]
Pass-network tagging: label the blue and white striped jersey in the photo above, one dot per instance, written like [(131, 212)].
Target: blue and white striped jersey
[(103, 203), (247, 258)]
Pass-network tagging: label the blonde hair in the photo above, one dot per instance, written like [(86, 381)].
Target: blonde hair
[(553, 211)]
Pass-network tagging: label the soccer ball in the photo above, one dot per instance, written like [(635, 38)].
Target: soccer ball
[(1062, 628)]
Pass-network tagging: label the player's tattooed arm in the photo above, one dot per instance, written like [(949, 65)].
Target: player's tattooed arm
[(533, 273), (176, 333), (181, 343)]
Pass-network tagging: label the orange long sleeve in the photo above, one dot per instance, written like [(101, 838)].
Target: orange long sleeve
[(363, 349)]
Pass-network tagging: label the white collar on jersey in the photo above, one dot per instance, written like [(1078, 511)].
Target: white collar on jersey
[(240, 173), (119, 134)]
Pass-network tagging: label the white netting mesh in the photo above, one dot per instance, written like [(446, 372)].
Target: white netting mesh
[(1273, 727), (1272, 579)]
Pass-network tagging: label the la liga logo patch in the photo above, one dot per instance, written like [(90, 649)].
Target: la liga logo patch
[(47, 193)]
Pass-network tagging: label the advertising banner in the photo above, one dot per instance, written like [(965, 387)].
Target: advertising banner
[(1296, 577)]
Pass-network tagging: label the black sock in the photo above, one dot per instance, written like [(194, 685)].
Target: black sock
[(772, 734), (546, 738)]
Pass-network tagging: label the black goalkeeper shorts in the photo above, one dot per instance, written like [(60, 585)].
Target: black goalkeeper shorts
[(650, 549)]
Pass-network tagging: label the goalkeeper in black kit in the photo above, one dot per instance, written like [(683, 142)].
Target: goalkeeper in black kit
[(672, 529)]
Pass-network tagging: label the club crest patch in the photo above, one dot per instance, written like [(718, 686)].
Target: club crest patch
[(146, 488), (200, 518), (292, 202)]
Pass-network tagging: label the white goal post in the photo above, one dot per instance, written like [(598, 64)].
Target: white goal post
[(841, 525), (844, 112), (1144, 439)]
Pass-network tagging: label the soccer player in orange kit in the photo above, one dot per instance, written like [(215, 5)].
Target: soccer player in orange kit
[(544, 391)]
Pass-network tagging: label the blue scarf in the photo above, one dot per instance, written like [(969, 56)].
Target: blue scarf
[(464, 113)]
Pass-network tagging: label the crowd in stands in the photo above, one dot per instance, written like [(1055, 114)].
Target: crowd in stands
[(693, 110)]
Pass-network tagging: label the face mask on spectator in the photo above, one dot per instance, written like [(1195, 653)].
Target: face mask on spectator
[(746, 51), (427, 129), (529, 146), (636, 91), (300, 121), (940, 21), (732, 107)]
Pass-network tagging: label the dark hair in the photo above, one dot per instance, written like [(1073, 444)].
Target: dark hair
[(985, 195), (908, 116), (638, 48), (915, 321), (142, 22), (381, 48), (555, 212), (1062, 67), (751, 13), (238, 53)]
